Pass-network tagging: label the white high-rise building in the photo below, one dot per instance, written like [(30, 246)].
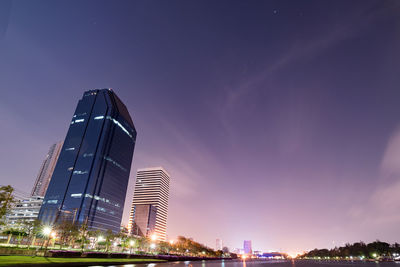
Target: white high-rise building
[(150, 203), (24, 210), (46, 170)]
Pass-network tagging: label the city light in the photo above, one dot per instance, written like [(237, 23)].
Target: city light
[(152, 245), (100, 239), (53, 234), (171, 242), (153, 237), (131, 243), (46, 230)]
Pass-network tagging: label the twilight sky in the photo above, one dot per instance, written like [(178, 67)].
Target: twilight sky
[(279, 121)]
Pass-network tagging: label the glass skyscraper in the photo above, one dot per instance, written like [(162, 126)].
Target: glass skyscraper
[(46, 170), (91, 176)]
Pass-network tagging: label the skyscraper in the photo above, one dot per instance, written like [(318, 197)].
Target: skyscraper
[(91, 175), (150, 203), (247, 247), (46, 170)]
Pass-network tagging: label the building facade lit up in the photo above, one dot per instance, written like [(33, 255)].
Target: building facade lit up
[(150, 203), (46, 170), (24, 210), (247, 247), (91, 176)]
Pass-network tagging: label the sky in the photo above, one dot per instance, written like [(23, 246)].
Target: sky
[(279, 121)]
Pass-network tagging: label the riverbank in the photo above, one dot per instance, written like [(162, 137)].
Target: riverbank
[(50, 261)]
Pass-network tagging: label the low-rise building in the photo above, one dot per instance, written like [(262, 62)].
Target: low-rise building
[(25, 210)]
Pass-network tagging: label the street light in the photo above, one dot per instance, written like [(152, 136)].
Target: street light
[(46, 232), (131, 243), (153, 237)]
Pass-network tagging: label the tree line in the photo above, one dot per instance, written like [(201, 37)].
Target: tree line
[(376, 249)]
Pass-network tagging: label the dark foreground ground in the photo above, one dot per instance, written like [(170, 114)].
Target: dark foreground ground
[(275, 263)]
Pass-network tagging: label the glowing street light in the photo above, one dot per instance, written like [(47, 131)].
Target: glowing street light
[(100, 239), (153, 237), (152, 245), (46, 230), (131, 243), (171, 242)]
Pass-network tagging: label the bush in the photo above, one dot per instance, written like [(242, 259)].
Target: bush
[(118, 255), (65, 254), (95, 255)]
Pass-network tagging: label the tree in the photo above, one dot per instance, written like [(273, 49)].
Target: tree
[(83, 235), (32, 229), (6, 201), (109, 238), (67, 232)]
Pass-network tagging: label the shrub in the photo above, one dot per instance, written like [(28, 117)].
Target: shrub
[(65, 253)]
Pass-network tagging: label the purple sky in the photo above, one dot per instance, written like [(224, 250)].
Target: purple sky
[(278, 120)]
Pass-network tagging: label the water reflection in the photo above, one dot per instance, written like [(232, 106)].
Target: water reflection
[(258, 263)]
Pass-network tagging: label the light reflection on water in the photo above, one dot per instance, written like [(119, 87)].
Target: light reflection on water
[(275, 263)]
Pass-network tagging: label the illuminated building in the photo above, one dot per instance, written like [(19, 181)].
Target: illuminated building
[(24, 210), (150, 203), (46, 170), (91, 176), (247, 247)]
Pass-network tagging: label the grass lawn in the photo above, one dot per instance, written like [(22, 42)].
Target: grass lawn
[(11, 260)]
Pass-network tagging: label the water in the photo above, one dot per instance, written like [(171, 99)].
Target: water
[(275, 263)]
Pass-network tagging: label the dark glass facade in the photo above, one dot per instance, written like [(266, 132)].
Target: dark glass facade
[(91, 176), (145, 219)]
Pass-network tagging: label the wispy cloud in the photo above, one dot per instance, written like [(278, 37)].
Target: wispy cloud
[(384, 203), (300, 49)]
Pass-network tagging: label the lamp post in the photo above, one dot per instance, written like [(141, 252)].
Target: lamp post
[(152, 246), (99, 239), (131, 243), (46, 232)]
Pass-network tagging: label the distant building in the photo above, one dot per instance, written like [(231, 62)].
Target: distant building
[(247, 247), (91, 176), (218, 244), (150, 203), (273, 255), (257, 253), (25, 210), (46, 170)]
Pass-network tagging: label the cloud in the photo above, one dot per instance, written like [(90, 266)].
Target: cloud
[(382, 208), (300, 49)]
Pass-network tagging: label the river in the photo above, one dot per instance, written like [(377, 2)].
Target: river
[(272, 263)]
